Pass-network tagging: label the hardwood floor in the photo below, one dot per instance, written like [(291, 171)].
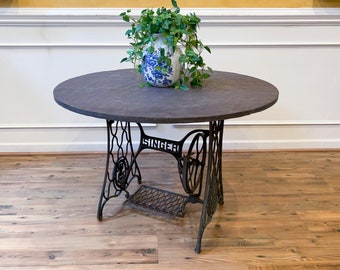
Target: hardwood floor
[(281, 211)]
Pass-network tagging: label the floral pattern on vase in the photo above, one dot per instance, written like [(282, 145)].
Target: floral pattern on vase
[(153, 72)]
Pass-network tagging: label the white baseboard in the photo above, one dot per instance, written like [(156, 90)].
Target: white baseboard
[(247, 135)]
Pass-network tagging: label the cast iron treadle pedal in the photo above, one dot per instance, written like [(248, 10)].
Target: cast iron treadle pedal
[(158, 202)]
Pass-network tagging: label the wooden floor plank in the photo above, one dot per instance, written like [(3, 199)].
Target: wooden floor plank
[(281, 211)]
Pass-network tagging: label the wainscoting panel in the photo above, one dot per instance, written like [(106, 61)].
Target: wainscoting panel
[(297, 50)]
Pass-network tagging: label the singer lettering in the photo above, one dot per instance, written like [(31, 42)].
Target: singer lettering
[(159, 144)]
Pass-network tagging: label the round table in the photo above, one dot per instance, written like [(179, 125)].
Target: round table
[(117, 97)]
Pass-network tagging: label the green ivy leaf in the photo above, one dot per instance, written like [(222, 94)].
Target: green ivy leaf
[(184, 87), (205, 75), (182, 58), (125, 59), (174, 3), (191, 70)]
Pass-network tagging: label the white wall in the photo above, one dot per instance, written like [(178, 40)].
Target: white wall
[(298, 50)]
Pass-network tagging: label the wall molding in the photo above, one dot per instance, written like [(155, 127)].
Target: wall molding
[(212, 45), (88, 146), (283, 123), (210, 16), (228, 123), (281, 144), (65, 126)]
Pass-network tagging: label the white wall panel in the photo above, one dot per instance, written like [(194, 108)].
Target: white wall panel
[(298, 50)]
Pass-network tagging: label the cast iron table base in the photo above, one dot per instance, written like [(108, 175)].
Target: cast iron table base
[(122, 168)]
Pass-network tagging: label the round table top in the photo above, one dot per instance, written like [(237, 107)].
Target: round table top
[(116, 95)]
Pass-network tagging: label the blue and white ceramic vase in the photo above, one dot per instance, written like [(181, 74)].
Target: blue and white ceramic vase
[(152, 70)]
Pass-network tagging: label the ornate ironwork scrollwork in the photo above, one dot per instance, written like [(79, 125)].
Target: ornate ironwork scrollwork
[(121, 165), (191, 165), (120, 171)]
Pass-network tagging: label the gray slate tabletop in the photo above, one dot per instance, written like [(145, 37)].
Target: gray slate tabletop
[(116, 95)]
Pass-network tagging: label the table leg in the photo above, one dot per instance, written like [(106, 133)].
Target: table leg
[(121, 164), (214, 187)]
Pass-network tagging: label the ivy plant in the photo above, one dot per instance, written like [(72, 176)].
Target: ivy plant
[(177, 30)]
